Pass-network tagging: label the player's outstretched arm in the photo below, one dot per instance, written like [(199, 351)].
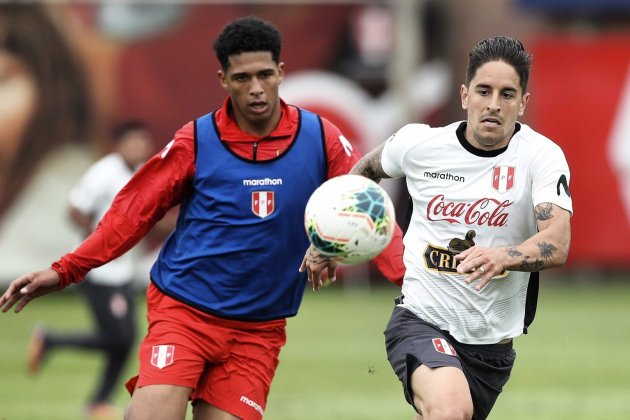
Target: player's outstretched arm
[(314, 263), (28, 287)]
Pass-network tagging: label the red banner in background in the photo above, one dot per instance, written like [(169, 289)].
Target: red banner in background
[(579, 85)]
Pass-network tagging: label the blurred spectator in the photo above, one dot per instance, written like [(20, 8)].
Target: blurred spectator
[(109, 289)]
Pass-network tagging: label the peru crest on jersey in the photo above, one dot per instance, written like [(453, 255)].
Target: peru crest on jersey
[(263, 203), (503, 178)]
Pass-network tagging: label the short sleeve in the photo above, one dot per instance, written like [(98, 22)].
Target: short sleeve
[(551, 178), (85, 195), (397, 146)]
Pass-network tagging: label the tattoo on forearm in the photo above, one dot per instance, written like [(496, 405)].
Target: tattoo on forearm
[(535, 265), (513, 252), (544, 211), (546, 250), (370, 166)]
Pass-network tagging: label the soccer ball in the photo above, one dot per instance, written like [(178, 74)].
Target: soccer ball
[(350, 219)]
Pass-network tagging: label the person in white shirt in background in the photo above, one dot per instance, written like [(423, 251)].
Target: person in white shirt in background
[(109, 289)]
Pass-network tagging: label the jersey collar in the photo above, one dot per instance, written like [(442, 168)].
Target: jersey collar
[(230, 131), (479, 152)]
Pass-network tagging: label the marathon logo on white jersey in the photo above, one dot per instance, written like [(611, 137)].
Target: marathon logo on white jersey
[(445, 176), (252, 404), (162, 356), (444, 347), (503, 178)]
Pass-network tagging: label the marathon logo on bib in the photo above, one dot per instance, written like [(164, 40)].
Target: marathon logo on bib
[(263, 203), (503, 178), (444, 347), (162, 356)]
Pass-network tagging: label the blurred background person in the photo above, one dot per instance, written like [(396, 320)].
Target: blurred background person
[(109, 290)]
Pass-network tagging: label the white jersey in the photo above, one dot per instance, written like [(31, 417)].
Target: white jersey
[(462, 194), (93, 195)]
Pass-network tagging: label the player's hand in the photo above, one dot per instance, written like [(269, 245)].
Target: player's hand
[(314, 263), (479, 263), (28, 287)]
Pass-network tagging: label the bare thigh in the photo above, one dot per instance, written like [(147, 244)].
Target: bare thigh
[(205, 411), (158, 402), (441, 392)]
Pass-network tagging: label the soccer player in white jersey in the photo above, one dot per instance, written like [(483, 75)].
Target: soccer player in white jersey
[(491, 208)]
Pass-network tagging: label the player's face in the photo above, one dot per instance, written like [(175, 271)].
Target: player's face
[(253, 80), (18, 103), (493, 100)]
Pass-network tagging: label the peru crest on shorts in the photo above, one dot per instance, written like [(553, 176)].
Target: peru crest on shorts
[(443, 346), (263, 203), (162, 356), (503, 178)]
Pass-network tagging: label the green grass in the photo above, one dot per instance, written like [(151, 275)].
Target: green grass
[(573, 364)]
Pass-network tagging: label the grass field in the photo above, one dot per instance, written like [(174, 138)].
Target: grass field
[(573, 364)]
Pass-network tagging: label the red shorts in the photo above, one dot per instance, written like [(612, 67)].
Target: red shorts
[(229, 364)]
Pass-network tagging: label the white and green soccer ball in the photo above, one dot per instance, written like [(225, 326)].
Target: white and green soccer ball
[(350, 219)]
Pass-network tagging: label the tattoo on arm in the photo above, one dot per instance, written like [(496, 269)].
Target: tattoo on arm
[(370, 166), (544, 211), (513, 252), (546, 250), (546, 253), (535, 265)]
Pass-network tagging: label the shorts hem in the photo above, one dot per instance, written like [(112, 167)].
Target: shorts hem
[(244, 413)]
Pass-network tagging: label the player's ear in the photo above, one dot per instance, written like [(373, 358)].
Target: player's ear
[(463, 93), (222, 79), (281, 71), (523, 104)]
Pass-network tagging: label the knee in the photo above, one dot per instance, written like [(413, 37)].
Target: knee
[(127, 413), (448, 412)]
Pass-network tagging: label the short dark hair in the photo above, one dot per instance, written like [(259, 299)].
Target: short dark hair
[(500, 48), (125, 127), (249, 34)]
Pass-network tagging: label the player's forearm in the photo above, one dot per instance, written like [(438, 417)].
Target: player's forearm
[(546, 249), (115, 235)]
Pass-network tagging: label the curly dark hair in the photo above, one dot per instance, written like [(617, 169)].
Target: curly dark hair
[(500, 48), (249, 34)]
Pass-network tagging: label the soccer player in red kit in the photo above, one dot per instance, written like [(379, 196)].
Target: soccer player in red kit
[(235, 267)]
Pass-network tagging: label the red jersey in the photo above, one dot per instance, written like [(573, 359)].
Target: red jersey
[(167, 178)]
